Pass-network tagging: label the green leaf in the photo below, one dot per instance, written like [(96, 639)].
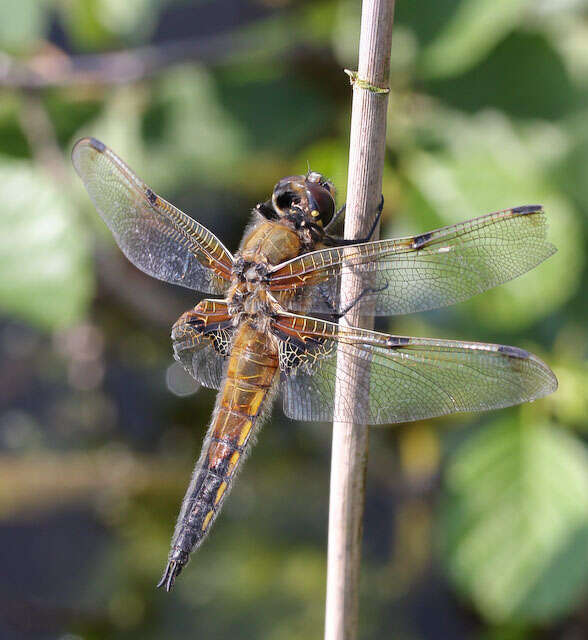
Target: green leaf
[(83, 23), (475, 28), (514, 521), (199, 136), (22, 23), (425, 18), (132, 19), (46, 277), (508, 80), (295, 114), (14, 142), (486, 165)]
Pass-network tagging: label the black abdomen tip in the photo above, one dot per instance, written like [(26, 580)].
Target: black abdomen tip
[(96, 144), (172, 571)]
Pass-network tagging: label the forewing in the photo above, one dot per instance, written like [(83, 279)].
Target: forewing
[(155, 236), (402, 379), (421, 272)]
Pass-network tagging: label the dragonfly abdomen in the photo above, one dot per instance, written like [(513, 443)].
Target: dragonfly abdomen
[(250, 380)]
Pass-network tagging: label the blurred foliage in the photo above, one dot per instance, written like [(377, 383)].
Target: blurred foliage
[(515, 520), (52, 286), (488, 110)]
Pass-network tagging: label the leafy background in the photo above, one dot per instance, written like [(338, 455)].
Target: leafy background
[(476, 526)]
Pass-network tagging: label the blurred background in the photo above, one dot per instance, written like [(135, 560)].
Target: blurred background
[(476, 525)]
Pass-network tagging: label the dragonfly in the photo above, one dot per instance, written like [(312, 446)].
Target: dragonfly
[(271, 324)]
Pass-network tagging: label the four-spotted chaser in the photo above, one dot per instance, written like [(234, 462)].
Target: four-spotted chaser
[(256, 336)]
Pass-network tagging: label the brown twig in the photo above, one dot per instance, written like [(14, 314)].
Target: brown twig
[(123, 67), (350, 440), (40, 134)]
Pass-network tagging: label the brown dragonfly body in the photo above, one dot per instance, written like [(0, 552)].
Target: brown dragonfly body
[(250, 382), (255, 338)]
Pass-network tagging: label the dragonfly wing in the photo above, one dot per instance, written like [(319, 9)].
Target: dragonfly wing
[(202, 339), (421, 272), (399, 379), (155, 236)]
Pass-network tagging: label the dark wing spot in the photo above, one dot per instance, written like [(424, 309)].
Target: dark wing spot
[(198, 323), (151, 196), (397, 341), (222, 338), (513, 352), (421, 241), (528, 208), (96, 144)]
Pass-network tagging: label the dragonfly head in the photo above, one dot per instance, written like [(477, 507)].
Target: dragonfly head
[(311, 196)]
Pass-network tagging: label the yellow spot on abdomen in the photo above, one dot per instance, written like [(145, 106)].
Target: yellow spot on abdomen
[(233, 462), (219, 493), (245, 429), (254, 402), (207, 520)]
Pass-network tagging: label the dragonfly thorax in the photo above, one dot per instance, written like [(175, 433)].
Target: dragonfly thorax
[(249, 297), (251, 272), (266, 245)]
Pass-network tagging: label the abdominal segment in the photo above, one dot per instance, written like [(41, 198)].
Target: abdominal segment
[(251, 376)]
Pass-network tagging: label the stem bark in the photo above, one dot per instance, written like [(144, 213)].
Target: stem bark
[(350, 439)]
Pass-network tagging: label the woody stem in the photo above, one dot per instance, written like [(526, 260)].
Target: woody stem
[(350, 440)]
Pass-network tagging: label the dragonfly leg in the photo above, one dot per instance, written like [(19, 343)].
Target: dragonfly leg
[(340, 242), (266, 210), (328, 300), (335, 218), (339, 313), (375, 223)]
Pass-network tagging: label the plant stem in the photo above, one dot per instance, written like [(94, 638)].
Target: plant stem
[(350, 440)]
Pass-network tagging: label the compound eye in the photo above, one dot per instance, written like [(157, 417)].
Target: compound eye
[(287, 193), (321, 203), (286, 199)]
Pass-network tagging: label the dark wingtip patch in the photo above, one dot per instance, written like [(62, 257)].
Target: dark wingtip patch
[(96, 144), (528, 208), (514, 352), (420, 241), (397, 341), (151, 196)]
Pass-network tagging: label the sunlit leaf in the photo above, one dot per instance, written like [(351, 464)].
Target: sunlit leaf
[(84, 25), (570, 173), (292, 112), (488, 165), (514, 521), (345, 32), (570, 35), (22, 22), (44, 264), (201, 137), (570, 360), (133, 19), (14, 142), (474, 29), (524, 75), (95, 23), (571, 403)]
